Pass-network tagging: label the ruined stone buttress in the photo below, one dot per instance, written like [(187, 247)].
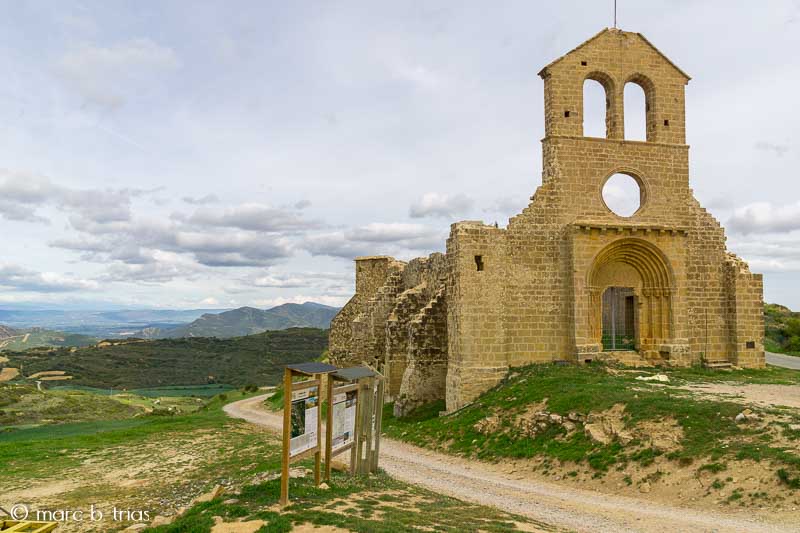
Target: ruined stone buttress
[(567, 279)]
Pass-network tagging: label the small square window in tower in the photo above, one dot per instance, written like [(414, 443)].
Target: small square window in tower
[(479, 263)]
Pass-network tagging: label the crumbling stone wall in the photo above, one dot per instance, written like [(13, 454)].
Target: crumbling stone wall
[(424, 276), (426, 371), (451, 325), (346, 340)]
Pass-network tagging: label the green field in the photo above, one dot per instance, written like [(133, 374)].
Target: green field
[(51, 411)]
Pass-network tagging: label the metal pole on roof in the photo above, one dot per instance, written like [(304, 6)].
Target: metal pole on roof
[(615, 14)]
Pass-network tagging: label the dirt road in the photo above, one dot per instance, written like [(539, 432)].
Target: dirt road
[(786, 361), (482, 483)]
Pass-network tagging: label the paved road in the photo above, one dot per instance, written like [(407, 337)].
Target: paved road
[(785, 361), (549, 503)]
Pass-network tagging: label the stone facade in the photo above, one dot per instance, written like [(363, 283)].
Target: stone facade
[(450, 326)]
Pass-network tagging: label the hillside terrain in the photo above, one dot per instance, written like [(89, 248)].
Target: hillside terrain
[(136, 363), (24, 338), (685, 436), (23, 405), (249, 320), (782, 327)]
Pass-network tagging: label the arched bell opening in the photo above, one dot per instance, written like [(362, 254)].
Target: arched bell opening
[(630, 298)]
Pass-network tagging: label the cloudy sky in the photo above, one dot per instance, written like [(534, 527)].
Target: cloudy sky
[(216, 154)]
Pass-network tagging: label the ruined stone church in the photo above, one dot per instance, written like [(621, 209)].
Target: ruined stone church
[(568, 279)]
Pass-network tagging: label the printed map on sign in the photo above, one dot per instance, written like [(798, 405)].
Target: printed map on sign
[(344, 419), (305, 406)]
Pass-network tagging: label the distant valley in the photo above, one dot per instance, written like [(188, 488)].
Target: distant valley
[(236, 347), (135, 363), (100, 324), (80, 328)]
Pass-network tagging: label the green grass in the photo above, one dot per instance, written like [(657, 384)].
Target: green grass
[(788, 480), (709, 430), (36, 452), (23, 404), (379, 504)]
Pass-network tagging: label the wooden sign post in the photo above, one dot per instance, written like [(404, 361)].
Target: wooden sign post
[(302, 419)]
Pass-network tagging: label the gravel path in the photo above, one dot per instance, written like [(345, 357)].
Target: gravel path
[(573, 509)]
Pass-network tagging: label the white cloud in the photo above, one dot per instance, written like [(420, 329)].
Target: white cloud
[(507, 206), (253, 217), (105, 76), (293, 280), (333, 301), (22, 194), (19, 278), (763, 217), (378, 238), (201, 200), (417, 75), (393, 232), (778, 149), (434, 204)]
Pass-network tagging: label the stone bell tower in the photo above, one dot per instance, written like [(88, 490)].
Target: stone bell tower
[(570, 279), (548, 280)]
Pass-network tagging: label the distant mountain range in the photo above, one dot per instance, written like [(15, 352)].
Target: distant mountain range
[(247, 321), (164, 323)]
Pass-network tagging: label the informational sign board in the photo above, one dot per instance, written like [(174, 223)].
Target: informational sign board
[(302, 420), (305, 413), (344, 419)]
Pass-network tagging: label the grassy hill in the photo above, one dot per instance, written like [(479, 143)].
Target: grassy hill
[(134, 364), (24, 338), (598, 423), (162, 463), (782, 329), (249, 320)]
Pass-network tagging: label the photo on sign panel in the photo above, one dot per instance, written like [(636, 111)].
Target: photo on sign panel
[(344, 419), (303, 431)]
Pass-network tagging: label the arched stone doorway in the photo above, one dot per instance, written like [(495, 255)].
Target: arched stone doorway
[(633, 274), (620, 319)]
